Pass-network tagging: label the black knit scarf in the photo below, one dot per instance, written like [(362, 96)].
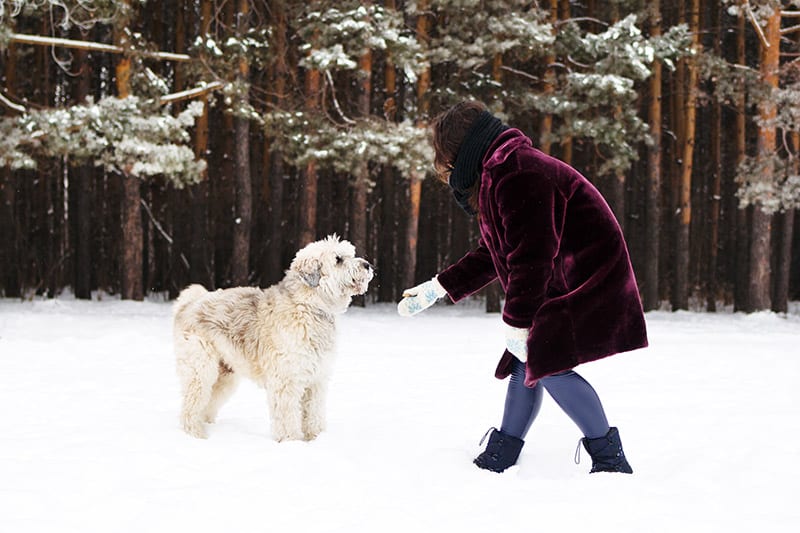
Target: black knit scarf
[(467, 167)]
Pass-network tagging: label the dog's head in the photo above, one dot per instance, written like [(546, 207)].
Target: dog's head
[(330, 267)]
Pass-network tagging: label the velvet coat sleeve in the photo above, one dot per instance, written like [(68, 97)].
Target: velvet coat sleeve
[(469, 274)]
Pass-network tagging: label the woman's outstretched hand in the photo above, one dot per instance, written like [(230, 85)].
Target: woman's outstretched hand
[(421, 297)]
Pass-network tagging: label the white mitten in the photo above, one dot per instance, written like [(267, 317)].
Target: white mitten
[(517, 341), (421, 297)]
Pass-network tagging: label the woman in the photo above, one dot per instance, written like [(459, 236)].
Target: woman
[(558, 252)]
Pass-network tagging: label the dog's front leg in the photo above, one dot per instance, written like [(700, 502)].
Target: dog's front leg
[(286, 411), (314, 410)]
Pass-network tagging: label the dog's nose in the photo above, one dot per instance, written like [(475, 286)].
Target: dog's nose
[(367, 265)]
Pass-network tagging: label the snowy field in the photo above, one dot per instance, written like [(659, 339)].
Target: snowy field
[(90, 441)]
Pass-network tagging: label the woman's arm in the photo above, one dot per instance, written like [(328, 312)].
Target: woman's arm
[(469, 274)]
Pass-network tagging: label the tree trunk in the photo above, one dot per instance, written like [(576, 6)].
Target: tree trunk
[(201, 260), (360, 190), (387, 248), (742, 264), (494, 293), (132, 240), (310, 182), (243, 218), (780, 301), (564, 13), (178, 262), (680, 296), (415, 181), (761, 245), (272, 193), (650, 294), (9, 225), (82, 177), (715, 189), (358, 231), (546, 122), (130, 210)]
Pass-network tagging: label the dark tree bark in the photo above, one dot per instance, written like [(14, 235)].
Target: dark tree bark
[(715, 188), (761, 244), (273, 182), (415, 181), (783, 263), (310, 178), (201, 260), (680, 296), (132, 244), (9, 224), (650, 294), (82, 178), (243, 218), (178, 198), (361, 186), (546, 122), (742, 265), (386, 257)]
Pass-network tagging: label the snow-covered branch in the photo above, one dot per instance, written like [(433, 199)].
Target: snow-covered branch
[(91, 46)]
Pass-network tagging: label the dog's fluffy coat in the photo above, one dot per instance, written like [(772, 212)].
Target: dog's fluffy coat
[(282, 337)]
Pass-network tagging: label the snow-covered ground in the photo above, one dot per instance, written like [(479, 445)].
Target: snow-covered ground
[(90, 442)]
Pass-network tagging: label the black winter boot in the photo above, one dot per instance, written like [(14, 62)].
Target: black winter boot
[(501, 452), (607, 454)]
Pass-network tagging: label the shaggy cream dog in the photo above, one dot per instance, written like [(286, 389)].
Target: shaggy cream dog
[(282, 337)]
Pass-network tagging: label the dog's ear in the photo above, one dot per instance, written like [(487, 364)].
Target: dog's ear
[(311, 278), (310, 270)]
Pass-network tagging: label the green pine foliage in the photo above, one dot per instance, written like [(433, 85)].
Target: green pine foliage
[(782, 191), (123, 135), (594, 99), (335, 34), (598, 87)]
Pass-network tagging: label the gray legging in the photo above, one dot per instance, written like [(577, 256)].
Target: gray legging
[(572, 393)]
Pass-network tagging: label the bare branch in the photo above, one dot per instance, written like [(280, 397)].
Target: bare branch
[(520, 73), (92, 46), (581, 19), (160, 229), (756, 25), (190, 93), (790, 29), (11, 105), (335, 101)]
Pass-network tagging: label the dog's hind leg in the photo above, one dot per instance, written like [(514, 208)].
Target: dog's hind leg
[(285, 410), (220, 392), (198, 371), (314, 410)]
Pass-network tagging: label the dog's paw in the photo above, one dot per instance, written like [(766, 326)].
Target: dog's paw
[(311, 436), (313, 431), (195, 429), (288, 436)]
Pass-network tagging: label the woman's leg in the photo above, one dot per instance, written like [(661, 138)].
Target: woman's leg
[(522, 406), (578, 399), (522, 403)]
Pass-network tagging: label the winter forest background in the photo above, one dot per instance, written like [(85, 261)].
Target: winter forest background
[(145, 145)]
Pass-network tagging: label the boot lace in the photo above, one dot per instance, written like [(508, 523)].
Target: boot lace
[(486, 435), (577, 457)]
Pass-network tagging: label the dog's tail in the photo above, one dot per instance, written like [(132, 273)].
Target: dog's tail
[(188, 295)]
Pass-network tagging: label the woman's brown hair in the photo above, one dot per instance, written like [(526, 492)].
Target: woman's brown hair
[(449, 129)]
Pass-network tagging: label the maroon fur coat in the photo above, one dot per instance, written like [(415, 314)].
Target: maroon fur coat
[(555, 246)]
